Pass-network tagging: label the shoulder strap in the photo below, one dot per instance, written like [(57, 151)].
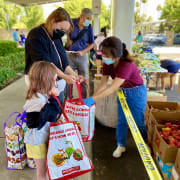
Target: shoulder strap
[(80, 35), (54, 46)]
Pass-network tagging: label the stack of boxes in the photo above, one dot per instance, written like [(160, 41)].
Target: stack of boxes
[(166, 155)]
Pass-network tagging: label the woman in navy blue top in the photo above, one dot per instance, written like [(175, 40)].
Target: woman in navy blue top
[(44, 43)]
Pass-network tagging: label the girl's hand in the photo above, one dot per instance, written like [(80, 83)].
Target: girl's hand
[(81, 78), (55, 91)]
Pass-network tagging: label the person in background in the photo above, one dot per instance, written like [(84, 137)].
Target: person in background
[(97, 42), (44, 43), (121, 67), (15, 36), (80, 40), (172, 67), (22, 39), (41, 109), (139, 37)]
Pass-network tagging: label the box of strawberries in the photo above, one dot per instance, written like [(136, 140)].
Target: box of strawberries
[(166, 141), (160, 106), (161, 117)]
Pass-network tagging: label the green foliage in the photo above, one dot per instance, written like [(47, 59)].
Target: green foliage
[(74, 8), (33, 16), (137, 4), (12, 60), (138, 16), (159, 8), (6, 74), (105, 16), (9, 65), (7, 47), (20, 68), (171, 13), (8, 14)]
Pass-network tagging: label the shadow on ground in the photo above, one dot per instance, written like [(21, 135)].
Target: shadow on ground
[(128, 167)]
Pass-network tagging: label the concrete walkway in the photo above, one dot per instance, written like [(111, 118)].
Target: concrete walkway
[(12, 99)]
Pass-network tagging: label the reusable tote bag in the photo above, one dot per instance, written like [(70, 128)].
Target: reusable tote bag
[(81, 114), (15, 147), (66, 156)]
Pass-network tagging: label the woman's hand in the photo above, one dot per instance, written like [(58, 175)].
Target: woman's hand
[(80, 53), (70, 79)]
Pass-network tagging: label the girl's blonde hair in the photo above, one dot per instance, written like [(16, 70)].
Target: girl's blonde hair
[(41, 78), (60, 14)]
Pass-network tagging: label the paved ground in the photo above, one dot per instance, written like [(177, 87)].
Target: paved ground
[(105, 167), (130, 166), (12, 99)]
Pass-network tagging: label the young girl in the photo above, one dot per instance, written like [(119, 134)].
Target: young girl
[(120, 66), (41, 109)]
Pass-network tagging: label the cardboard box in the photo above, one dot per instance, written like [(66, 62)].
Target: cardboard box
[(157, 98), (177, 162), (165, 168), (166, 152), (174, 175), (154, 81), (160, 106), (160, 117)]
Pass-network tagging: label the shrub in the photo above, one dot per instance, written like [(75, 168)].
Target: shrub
[(6, 74), (12, 60), (20, 68), (7, 47)]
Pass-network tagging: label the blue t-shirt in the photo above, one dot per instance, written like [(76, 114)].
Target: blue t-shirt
[(87, 38), (170, 65), (15, 36)]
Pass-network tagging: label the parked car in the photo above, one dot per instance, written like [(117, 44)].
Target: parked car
[(177, 39), (159, 39)]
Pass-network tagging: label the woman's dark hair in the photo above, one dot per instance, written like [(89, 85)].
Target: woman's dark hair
[(103, 30), (139, 33), (113, 46)]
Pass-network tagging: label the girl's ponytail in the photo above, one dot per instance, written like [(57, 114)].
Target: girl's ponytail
[(126, 55)]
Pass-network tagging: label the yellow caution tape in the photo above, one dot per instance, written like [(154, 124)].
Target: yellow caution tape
[(94, 63), (142, 147)]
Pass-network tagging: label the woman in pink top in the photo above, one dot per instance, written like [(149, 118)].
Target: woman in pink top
[(120, 66)]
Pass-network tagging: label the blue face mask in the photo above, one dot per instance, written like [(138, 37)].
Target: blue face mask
[(87, 22), (107, 61)]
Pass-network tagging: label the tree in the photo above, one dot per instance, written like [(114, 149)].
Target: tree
[(171, 13), (105, 16), (137, 4), (8, 14), (159, 8), (74, 8), (33, 16), (139, 17)]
